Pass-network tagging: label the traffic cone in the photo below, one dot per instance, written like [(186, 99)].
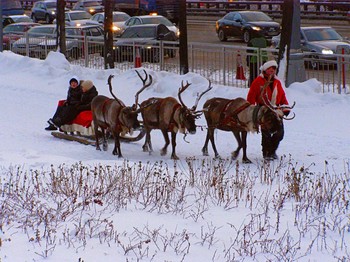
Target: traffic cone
[(138, 58), (240, 70)]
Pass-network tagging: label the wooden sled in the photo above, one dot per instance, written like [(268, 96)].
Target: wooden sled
[(81, 130)]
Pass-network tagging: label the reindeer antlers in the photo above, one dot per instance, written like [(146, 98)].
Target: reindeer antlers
[(199, 96), (109, 81), (181, 89), (274, 108), (145, 85)]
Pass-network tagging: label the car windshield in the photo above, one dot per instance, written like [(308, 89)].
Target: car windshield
[(72, 32), (37, 31), (13, 29), (120, 17), (256, 16), (91, 3), (50, 4), (139, 32), (321, 34), (80, 16), (156, 20)]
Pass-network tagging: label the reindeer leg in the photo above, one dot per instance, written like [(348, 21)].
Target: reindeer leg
[(97, 142), (173, 143), (239, 142), (211, 137), (245, 159), (163, 151), (105, 142), (147, 146), (116, 150), (205, 147)]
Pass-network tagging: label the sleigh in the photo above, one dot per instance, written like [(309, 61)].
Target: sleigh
[(81, 130)]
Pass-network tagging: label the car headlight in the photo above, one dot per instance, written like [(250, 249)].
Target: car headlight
[(256, 28), (177, 33), (116, 28), (91, 10), (327, 52), (53, 12)]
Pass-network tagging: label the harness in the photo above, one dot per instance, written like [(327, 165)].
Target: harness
[(232, 119)]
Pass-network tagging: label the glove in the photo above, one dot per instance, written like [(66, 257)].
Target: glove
[(286, 112)]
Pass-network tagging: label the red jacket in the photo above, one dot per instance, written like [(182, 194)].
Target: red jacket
[(274, 91)]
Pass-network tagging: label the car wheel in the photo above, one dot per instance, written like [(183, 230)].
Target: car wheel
[(221, 35), (246, 36), (47, 19)]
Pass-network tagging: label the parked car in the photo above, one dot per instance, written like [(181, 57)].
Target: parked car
[(146, 39), (90, 6), (152, 19), (6, 21), (14, 31), (76, 18), (342, 5), (21, 18), (33, 37), (44, 11), (75, 41), (321, 41), (246, 25), (119, 19)]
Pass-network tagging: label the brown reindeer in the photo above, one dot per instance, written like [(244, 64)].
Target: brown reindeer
[(169, 115), (111, 114), (239, 117)]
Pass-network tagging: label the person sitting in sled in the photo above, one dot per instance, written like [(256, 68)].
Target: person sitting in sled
[(78, 99)]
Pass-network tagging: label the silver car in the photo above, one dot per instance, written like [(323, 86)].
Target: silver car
[(320, 41), (29, 43)]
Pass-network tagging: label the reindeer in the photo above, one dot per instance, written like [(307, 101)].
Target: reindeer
[(168, 115), (240, 117), (111, 114)]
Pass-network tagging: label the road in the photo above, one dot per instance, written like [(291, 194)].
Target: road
[(202, 30)]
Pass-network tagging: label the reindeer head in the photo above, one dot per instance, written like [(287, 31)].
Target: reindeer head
[(128, 116), (188, 116)]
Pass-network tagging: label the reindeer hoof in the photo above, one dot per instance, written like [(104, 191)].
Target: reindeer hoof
[(175, 157), (246, 161), (162, 152), (234, 155)]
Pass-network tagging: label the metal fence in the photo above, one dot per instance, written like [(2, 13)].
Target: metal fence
[(222, 64)]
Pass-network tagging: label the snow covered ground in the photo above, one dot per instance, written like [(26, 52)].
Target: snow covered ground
[(318, 140)]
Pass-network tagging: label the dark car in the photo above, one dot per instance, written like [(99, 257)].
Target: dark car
[(90, 6), (6, 21), (246, 25), (13, 32), (44, 11), (144, 39)]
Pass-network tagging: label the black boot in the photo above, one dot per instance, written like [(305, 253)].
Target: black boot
[(50, 128)]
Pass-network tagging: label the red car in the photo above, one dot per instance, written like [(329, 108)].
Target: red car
[(13, 32)]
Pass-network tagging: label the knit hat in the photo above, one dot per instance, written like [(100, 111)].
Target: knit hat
[(268, 64), (74, 78), (86, 85)]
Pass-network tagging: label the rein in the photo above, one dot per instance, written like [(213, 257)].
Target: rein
[(234, 117)]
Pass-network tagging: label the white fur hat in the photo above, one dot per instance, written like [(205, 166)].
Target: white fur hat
[(268, 64), (86, 85), (74, 78)]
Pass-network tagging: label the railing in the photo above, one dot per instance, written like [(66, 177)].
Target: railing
[(309, 10), (223, 64)]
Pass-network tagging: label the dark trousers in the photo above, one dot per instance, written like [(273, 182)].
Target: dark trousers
[(64, 115), (270, 142), (253, 72)]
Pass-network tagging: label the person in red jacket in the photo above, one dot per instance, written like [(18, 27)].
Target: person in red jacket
[(268, 86)]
